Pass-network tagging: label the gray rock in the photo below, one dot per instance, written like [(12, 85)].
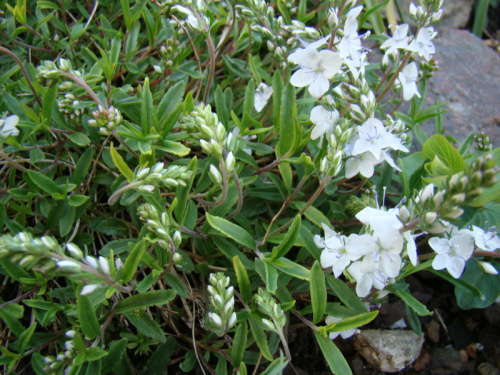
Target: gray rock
[(387, 350), (456, 13), (469, 81)]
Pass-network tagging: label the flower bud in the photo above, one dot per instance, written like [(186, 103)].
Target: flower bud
[(215, 319), (88, 289), (104, 265), (215, 175), (488, 268), (177, 258), (430, 217), (73, 250), (68, 266), (177, 238), (230, 162), (404, 214), (232, 320), (158, 69), (268, 324), (220, 132), (206, 147)]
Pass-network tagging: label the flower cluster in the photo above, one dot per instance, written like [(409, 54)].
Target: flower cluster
[(222, 315), (160, 225), (269, 307), (106, 119)]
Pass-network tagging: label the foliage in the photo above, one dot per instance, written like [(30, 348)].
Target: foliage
[(167, 184)]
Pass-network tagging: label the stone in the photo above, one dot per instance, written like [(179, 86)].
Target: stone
[(387, 350), (487, 368), (469, 81)]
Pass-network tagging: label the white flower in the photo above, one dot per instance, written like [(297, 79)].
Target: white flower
[(373, 137), (350, 43), (488, 241), (408, 80), (344, 334), (324, 121), (422, 43), (316, 68), (452, 253), (363, 164), (399, 39), (8, 126), (262, 95), (367, 275), (340, 250)]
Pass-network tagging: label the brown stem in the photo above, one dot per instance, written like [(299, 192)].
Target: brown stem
[(395, 76)]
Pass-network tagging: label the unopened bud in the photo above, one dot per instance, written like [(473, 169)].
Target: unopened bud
[(230, 162), (215, 175)]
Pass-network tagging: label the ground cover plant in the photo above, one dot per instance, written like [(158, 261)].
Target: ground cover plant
[(185, 183)]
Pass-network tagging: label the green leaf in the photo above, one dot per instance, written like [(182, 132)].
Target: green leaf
[(286, 175), (139, 301), (317, 288), (147, 110), (170, 107), (10, 314), (87, 317), (44, 183), (175, 148), (412, 302), (291, 235), (276, 367), (135, 256), (76, 200), (49, 101), (289, 125), (480, 16), (93, 354), (248, 104), (176, 284), (313, 214), (239, 344), (277, 93), (438, 145), (243, 280), (25, 337), (353, 322), (146, 325), (259, 336), (83, 166), (291, 268), (80, 139), (157, 362), (120, 164), (345, 294), (115, 354), (182, 192), (459, 283), (232, 231), (221, 107), (488, 284), (189, 361), (333, 355)]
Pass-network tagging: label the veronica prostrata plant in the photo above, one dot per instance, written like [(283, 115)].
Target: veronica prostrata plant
[(191, 183)]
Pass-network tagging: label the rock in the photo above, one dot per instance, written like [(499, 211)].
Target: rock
[(469, 81), (446, 361), (456, 13), (432, 331), (389, 351), (487, 368)]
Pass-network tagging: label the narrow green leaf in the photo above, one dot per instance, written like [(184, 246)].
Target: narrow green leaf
[(146, 325), (120, 164), (147, 110), (243, 280), (480, 16), (291, 235), (182, 192), (158, 361), (80, 139), (87, 317), (83, 166), (76, 200), (176, 284), (232, 231), (220, 106), (48, 103), (239, 344), (277, 92), (317, 288), (169, 105), (286, 174), (259, 336), (132, 261), (353, 322), (115, 354), (333, 355), (45, 183), (313, 214), (412, 302), (25, 338), (248, 103), (345, 294), (271, 277), (291, 268), (139, 301), (459, 283), (276, 367), (126, 13), (288, 124)]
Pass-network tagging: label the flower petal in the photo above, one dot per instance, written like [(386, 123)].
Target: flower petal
[(302, 77)]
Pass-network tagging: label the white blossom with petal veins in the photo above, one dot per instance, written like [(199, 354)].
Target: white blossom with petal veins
[(316, 69), (452, 253), (422, 43), (363, 164), (324, 121), (367, 275), (408, 80), (399, 39), (488, 241)]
